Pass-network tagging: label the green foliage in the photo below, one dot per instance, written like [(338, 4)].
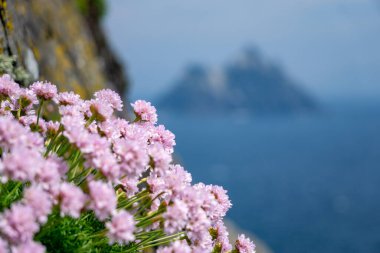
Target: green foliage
[(92, 7), (66, 234), (9, 193)]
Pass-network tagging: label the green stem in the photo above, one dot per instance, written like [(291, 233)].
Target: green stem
[(19, 109), (52, 142), (90, 120), (89, 171), (144, 192), (142, 242), (39, 111), (129, 203), (101, 233), (151, 218), (163, 240), (149, 233), (15, 188), (143, 180), (149, 202)]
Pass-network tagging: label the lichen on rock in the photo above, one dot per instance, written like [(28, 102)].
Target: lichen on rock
[(18, 73)]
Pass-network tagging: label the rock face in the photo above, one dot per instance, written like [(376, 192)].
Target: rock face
[(250, 85), (54, 41)]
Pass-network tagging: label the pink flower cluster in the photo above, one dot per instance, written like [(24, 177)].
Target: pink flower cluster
[(92, 161)]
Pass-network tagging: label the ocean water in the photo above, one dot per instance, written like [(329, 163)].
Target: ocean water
[(302, 184)]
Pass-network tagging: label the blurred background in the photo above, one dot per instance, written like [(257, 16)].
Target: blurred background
[(278, 101)]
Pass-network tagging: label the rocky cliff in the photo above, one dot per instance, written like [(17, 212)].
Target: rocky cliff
[(57, 41)]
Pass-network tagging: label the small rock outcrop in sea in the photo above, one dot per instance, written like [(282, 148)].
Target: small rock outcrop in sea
[(249, 85)]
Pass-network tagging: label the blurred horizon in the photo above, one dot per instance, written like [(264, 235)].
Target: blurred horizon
[(329, 47), (300, 180)]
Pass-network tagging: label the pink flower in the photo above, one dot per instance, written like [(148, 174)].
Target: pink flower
[(34, 141), (130, 186), (107, 164), (40, 202), (12, 133), (44, 90), (52, 128), (60, 164), (132, 155), (23, 169), (3, 246), (103, 199), (7, 86), (110, 97), (76, 134), (110, 129), (69, 98), (92, 145), (121, 228), (122, 154), (161, 159), (97, 152), (72, 200), (244, 244), (6, 109), (164, 137), (176, 247), (101, 110), (31, 121), (201, 240), (175, 217), (72, 122), (224, 203), (18, 223), (74, 111), (199, 222), (134, 132), (98, 144), (214, 200), (144, 111), (221, 239), (28, 98), (156, 184), (172, 181), (48, 175), (29, 247), (10, 105), (176, 179), (121, 125)]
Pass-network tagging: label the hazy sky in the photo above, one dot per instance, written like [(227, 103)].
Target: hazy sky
[(332, 47)]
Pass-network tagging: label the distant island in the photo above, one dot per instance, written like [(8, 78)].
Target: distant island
[(249, 85)]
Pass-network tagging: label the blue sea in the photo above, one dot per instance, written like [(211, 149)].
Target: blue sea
[(307, 183)]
